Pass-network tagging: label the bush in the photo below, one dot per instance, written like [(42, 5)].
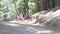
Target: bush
[(1, 15)]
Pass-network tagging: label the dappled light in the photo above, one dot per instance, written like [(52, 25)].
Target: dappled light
[(13, 25), (37, 31), (29, 16), (44, 31), (44, 18), (52, 15)]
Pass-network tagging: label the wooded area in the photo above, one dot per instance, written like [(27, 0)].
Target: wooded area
[(29, 16), (9, 8)]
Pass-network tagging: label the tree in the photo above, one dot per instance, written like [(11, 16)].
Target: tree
[(37, 5), (14, 1), (32, 6)]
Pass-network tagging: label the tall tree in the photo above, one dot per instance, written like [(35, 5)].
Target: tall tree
[(14, 1), (37, 5), (26, 7)]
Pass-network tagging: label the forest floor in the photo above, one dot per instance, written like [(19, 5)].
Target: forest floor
[(20, 28)]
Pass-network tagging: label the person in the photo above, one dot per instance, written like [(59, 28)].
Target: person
[(27, 16), (21, 17), (17, 18)]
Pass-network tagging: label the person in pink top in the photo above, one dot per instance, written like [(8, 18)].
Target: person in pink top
[(21, 17)]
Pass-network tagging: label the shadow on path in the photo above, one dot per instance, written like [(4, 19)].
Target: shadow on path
[(24, 29)]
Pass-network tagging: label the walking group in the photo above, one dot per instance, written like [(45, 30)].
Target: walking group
[(22, 17)]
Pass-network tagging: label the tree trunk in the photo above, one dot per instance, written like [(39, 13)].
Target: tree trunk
[(15, 7), (44, 4), (57, 2), (37, 6)]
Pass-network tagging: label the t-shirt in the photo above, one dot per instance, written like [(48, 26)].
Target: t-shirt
[(21, 16)]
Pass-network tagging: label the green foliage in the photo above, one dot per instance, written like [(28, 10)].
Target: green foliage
[(10, 15), (19, 5), (13, 1), (0, 0), (32, 7), (1, 15)]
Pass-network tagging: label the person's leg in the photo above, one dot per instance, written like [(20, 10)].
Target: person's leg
[(17, 19)]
